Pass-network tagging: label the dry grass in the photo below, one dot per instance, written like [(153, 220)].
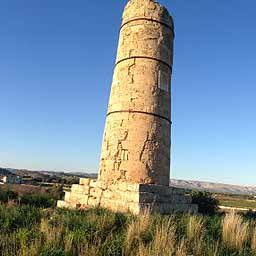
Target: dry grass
[(98, 232), (164, 240), (195, 228), (214, 249), (182, 249), (52, 234), (195, 234), (135, 230), (235, 231), (89, 250), (253, 240)]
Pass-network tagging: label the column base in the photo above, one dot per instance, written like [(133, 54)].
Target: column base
[(127, 197)]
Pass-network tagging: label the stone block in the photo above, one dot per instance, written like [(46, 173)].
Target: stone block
[(129, 197), (134, 208), (79, 198), (80, 189), (107, 194), (183, 199), (115, 205), (67, 196), (101, 184), (122, 186), (93, 183), (133, 187), (62, 204), (93, 202), (84, 181), (150, 188), (96, 192)]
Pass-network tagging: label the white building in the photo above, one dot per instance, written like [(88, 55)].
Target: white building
[(10, 179)]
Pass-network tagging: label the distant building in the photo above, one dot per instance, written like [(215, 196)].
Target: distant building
[(10, 179)]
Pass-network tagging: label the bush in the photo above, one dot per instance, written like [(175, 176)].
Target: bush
[(206, 203), (57, 192), (5, 196), (38, 200), (250, 215)]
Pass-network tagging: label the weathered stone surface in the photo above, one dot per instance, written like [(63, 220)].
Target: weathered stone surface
[(146, 8), (80, 189), (129, 197), (136, 144), (62, 204), (65, 204), (85, 181), (135, 159), (67, 196), (96, 192)]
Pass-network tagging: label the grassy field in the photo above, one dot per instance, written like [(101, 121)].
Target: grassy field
[(248, 204), (26, 230), (237, 201), (30, 225)]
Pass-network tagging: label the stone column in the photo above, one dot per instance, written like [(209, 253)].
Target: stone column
[(135, 159), (136, 143)]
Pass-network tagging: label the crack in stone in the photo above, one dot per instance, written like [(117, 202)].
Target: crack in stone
[(121, 153), (130, 72), (144, 146)]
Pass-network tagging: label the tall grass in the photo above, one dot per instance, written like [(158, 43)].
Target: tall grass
[(195, 234), (32, 231), (163, 240), (253, 239), (235, 231), (137, 231), (181, 249)]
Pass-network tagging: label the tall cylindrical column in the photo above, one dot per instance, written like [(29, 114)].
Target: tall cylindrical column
[(136, 143)]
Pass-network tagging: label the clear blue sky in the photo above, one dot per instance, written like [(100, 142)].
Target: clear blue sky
[(56, 63)]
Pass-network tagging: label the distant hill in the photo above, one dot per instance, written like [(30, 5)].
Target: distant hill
[(186, 184), (214, 187), (43, 174)]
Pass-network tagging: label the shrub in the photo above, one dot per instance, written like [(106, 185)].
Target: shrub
[(206, 203), (5, 196), (38, 200), (57, 192), (250, 214)]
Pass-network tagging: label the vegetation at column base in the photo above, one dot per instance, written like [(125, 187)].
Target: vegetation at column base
[(29, 230), (31, 225)]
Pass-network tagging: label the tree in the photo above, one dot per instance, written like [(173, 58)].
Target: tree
[(207, 204)]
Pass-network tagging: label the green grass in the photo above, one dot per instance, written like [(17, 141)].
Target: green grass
[(248, 204), (27, 230)]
